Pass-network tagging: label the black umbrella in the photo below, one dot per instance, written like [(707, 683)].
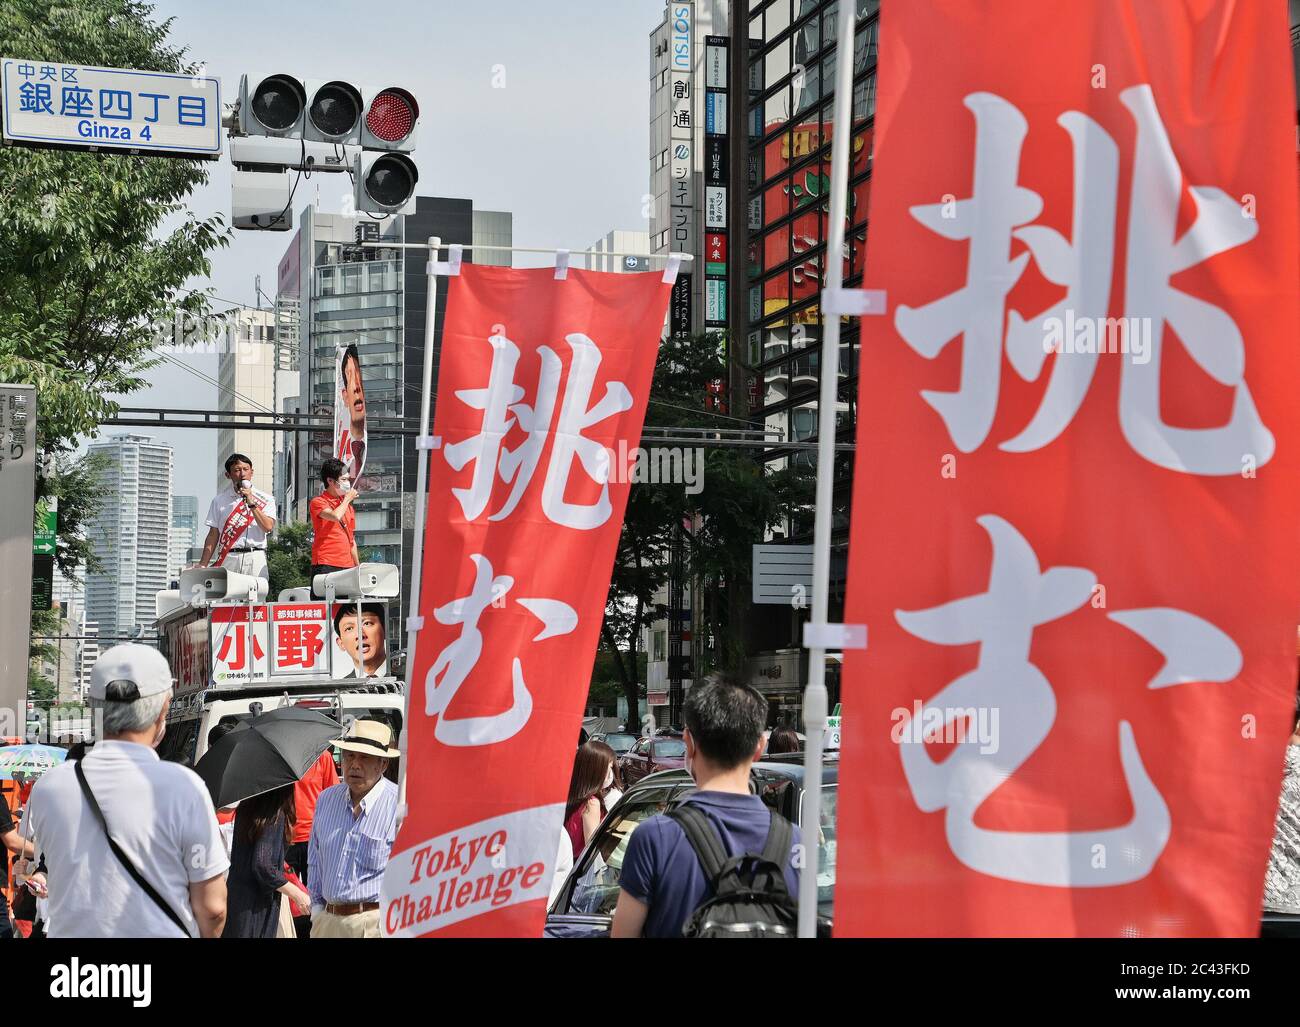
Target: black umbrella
[(272, 750)]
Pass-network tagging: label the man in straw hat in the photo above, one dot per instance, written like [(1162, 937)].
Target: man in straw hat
[(352, 835)]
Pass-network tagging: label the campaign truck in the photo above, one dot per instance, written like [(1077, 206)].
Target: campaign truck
[(234, 655)]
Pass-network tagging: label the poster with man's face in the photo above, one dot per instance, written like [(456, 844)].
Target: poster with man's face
[(350, 413), (362, 654)]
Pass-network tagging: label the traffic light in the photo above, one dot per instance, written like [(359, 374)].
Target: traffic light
[(272, 106), (390, 122), (385, 183), (285, 122), (333, 113)]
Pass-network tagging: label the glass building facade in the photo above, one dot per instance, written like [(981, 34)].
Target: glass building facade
[(790, 127)]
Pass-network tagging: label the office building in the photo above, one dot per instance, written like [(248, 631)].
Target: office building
[(184, 534), (609, 252), (249, 376), (130, 534), (373, 297)]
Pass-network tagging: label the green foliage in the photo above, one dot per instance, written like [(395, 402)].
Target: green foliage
[(40, 689), (739, 501), (288, 558), (76, 484), (86, 267)]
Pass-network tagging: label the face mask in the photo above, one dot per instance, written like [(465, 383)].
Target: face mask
[(609, 777)]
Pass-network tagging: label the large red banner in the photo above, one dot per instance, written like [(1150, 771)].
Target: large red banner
[(1075, 508), (542, 391)]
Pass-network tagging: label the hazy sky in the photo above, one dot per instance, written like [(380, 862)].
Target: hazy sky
[(564, 145)]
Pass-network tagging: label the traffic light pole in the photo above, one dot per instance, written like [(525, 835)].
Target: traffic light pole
[(425, 444)]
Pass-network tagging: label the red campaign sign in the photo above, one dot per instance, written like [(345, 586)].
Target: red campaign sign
[(540, 384), (1073, 536)]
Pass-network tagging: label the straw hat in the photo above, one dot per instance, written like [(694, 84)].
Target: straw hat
[(370, 737)]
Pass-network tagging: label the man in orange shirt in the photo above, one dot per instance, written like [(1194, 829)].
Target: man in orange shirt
[(333, 523)]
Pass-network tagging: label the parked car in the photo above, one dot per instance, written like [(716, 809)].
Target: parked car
[(584, 906), (652, 754), (620, 741)]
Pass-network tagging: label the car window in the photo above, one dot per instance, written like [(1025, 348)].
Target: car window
[(178, 743), (672, 747), (620, 743), (596, 878), (826, 848)]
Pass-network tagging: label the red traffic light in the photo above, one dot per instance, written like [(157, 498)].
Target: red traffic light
[(391, 116)]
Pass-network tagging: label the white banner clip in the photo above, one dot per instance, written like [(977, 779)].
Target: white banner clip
[(854, 302), (449, 267), (834, 636), (428, 442), (672, 267), (561, 265)]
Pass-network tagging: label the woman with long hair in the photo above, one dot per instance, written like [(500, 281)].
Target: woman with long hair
[(256, 882), (584, 810), (614, 789)]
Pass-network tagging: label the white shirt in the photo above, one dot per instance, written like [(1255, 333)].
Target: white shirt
[(225, 501), (161, 816)]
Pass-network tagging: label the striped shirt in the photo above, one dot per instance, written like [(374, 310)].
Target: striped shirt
[(346, 855)]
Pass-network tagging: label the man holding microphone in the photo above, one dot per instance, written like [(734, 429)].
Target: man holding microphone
[(239, 520), (333, 523)]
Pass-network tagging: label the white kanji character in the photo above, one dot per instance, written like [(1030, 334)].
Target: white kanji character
[(976, 311), (1002, 620), (459, 657)]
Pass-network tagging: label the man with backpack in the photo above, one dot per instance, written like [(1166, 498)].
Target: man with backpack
[(721, 863)]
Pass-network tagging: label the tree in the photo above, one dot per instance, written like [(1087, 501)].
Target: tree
[(86, 270), (288, 558), (739, 500)]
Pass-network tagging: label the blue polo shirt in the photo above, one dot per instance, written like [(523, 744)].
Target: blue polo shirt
[(662, 870)]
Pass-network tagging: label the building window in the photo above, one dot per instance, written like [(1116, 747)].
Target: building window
[(659, 647)]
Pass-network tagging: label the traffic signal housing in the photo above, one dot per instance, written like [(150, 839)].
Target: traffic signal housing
[(384, 183)]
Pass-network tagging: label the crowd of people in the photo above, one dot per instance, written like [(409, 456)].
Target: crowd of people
[(116, 843)]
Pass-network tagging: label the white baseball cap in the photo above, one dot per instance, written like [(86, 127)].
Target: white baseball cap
[(139, 664)]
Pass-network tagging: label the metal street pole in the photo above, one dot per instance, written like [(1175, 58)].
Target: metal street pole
[(424, 444), (815, 700)]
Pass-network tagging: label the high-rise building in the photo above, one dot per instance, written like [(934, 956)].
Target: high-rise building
[(789, 127), (184, 534), (130, 534), (249, 377), (374, 298), (604, 255)]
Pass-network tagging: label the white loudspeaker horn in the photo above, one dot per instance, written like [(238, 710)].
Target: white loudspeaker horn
[(301, 594), (203, 585), (365, 581), (165, 601)]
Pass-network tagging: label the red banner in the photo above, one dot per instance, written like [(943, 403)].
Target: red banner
[(1073, 537), (542, 390)]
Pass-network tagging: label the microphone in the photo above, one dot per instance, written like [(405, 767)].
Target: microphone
[(248, 500)]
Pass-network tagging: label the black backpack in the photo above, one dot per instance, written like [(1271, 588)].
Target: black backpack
[(750, 898)]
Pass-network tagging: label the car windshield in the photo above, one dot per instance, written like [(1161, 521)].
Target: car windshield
[(620, 743), (595, 891), (596, 878), (672, 747)]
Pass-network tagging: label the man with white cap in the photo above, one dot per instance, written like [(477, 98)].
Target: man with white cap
[(352, 835), (131, 843)]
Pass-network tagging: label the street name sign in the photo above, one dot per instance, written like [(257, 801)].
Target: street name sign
[(74, 107)]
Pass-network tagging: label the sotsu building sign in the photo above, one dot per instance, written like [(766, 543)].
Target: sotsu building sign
[(69, 106)]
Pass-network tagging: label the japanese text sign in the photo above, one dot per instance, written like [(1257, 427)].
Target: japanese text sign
[(110, 108), (1073, 536), (541, 384)]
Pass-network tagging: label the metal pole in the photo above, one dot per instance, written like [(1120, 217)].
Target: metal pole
[(814, 701), (421, 489)]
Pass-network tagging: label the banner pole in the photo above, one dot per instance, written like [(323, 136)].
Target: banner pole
[(815, 699), (413, 619)]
